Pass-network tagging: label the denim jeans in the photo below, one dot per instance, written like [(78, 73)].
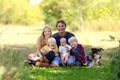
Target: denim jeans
[(77, 63), (70, 60), (56, 60)]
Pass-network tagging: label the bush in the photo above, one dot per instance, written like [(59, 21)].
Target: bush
[(115, 64), (10, 63)]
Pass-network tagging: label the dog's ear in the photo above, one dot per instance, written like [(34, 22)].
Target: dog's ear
[(101, 49), (94, 50)]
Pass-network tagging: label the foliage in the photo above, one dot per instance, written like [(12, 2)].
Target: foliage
[(78, 13), (10, 62), (19, 12), (63, 9), (115, 63), (70, 11)]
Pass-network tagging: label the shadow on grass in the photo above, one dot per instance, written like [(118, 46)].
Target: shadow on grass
[(25, 72)]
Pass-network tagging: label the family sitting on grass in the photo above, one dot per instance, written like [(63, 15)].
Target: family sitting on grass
[(61, 48)]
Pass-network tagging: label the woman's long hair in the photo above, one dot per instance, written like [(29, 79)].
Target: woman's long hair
[(41, 40)]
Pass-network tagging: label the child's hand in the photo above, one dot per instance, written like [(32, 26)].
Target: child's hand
[(85, 64), (67, 48)]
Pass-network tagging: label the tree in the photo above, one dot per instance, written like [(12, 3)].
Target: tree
[(19, 12)]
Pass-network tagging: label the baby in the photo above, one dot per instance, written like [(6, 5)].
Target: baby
[(63, 50)]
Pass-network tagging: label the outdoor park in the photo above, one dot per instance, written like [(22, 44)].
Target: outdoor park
[(95, 23)]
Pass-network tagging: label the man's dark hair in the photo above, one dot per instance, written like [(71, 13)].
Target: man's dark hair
[(61, 21)]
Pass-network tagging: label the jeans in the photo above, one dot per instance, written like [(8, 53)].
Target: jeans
[(56, 60), (77, 63), (70, 60)]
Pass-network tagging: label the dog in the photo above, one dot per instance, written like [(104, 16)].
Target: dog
[(96, 56)]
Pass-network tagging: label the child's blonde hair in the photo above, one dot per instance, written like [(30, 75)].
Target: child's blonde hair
[(74, 39), (51, 40)]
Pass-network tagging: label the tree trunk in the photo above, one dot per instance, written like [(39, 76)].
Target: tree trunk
[(81, 27)]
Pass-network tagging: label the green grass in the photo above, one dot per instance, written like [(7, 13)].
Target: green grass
[(20, 41), (19, 71), (68, 73)]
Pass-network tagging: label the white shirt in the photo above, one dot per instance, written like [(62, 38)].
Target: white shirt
[(63, 51)]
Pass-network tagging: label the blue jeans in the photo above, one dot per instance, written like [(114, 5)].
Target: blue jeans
[(56, 60), (77, 63), (70, 60)]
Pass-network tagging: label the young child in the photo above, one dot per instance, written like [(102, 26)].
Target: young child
[(35, 60), (78, 52), (50, 50), (34, 57), (47, 53), (64, 53)]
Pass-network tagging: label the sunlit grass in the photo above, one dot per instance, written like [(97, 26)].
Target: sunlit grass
[(22, 41), (20, 35), (69, 73)]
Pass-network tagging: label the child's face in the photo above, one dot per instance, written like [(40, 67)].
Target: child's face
[(62, 42), (73, 44), (32, 56), (52, 45)]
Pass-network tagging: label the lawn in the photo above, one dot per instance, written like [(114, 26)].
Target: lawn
[(19, 41)]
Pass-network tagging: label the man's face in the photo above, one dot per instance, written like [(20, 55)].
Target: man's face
[(61, 27)]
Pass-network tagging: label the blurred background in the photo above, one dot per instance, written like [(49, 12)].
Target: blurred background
[(79, 14)]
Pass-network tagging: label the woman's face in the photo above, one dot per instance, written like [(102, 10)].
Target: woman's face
[(47, 32), (61, 27)]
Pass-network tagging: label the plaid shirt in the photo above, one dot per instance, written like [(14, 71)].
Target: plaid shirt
[(79, 53)]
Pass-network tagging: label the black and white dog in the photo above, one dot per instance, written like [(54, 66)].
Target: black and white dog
[(95, 56)]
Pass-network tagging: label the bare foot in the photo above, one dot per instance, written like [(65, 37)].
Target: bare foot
[(54, 65)]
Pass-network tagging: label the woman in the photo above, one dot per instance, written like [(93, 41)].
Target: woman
[(61, 27), (42, 41)]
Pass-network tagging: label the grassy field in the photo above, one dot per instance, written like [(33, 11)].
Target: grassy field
[(20, 41)]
